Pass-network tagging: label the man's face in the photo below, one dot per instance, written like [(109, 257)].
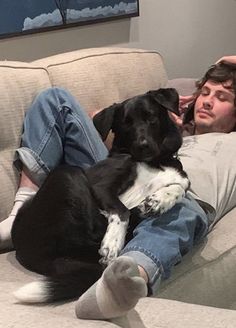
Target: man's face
[(214, 108)]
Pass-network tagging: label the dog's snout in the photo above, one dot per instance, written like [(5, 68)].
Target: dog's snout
[(144, 146), (143, 142)]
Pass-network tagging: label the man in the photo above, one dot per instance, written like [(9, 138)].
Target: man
[(159, 242)]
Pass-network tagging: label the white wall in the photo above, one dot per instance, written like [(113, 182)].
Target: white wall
[(190, 34)]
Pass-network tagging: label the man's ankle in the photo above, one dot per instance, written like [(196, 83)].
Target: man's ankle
[(143, 273)]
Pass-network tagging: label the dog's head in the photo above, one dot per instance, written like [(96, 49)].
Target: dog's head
[(142, 126)]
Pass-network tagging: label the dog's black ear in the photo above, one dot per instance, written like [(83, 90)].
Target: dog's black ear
[(103, 120), (168, 98), (172, 141), (189, 113)]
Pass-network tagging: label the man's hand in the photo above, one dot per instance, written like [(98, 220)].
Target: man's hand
[(230, 59), (184, 101)]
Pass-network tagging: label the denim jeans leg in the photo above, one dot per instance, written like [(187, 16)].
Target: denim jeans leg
[(160, 242), (57, 130)]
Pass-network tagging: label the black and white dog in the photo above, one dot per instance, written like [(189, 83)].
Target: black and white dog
[(80, 220)]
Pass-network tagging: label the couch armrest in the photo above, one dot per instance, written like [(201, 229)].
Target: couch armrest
[(184, 86), (207, 274)]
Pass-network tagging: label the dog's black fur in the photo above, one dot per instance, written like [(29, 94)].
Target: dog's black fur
[(58, 233)]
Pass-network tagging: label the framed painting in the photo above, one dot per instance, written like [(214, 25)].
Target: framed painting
[(19, 17)]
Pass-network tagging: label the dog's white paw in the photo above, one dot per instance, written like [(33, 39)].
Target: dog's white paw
[(109, 250), (114, 239), (162, 200)]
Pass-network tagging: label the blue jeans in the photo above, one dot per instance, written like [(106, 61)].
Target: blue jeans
[(57, 130)]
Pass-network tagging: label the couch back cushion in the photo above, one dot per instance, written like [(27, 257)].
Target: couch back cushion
[(97, 77), (19, 84), (184, 86)]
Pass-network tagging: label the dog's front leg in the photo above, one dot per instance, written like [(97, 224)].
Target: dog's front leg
[(162, 200), (107, 180), (114, 238)]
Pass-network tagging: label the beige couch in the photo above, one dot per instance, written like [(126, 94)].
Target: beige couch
[(98, 77)]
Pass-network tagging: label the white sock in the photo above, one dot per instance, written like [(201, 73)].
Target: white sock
[(22, 195), (115, 293)]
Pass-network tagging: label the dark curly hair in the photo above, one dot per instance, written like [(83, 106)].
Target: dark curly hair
[(221, 72)]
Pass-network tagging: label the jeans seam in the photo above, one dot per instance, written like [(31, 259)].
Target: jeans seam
[(91, 149), (47, 135)]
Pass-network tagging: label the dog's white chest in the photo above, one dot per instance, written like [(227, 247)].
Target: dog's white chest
[(148, 181)]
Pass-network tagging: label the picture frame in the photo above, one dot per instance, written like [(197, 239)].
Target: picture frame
[(20, 17)]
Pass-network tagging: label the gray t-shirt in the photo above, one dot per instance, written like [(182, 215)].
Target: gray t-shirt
[(210, 162)]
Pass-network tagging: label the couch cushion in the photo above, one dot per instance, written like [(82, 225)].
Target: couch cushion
[(19, 84), (98, 77), (156, 313), (207, 274), (149, 312)]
